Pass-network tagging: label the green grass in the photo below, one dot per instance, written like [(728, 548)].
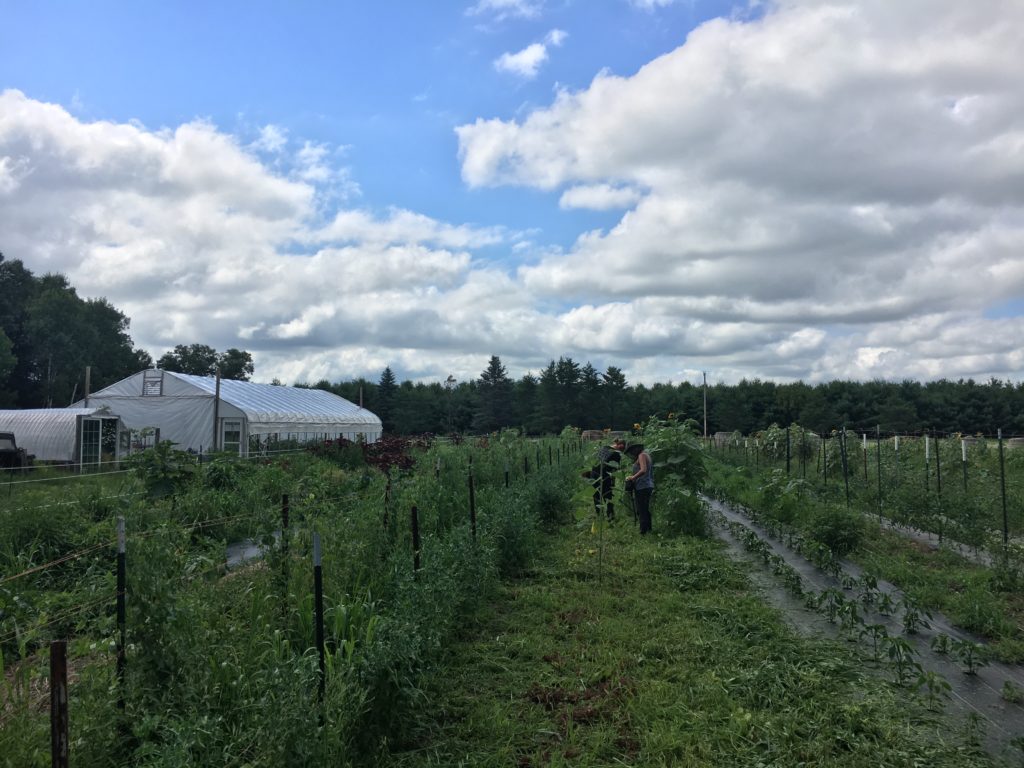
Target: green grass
[(669, 658)]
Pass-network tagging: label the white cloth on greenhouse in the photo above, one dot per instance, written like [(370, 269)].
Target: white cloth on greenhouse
[(50, 434), (182, 407)]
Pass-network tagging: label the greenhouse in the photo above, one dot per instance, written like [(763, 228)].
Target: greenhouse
[(68, 435), (245, 418)]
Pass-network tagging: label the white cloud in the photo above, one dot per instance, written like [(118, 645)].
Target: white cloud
[(832, 165), (527, 62), (599, 197), (833, 190), (272, 139), (502, 9), (650, 5)]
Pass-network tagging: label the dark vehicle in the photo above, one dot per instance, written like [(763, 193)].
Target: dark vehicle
[(11, 456)]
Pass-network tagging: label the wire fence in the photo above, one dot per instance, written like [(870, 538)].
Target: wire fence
[(98, 612), (962, 489)]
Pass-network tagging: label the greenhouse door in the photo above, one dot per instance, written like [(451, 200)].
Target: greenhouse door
[(231, 435), (99, 441), (89, 450)]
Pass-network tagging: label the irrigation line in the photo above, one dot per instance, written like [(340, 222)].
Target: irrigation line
[(58, 561)]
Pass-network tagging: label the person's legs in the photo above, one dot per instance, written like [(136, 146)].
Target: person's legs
[(643, 508)]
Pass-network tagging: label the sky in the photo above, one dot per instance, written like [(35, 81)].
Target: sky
[(783, 189)]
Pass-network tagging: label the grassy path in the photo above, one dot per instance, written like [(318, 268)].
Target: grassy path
[(671, 658)]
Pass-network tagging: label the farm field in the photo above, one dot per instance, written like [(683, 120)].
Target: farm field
[(979, 586), (671, 657), (466, 608)]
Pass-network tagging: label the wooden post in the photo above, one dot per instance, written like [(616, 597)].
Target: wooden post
[(88, 383), (59, 704), (506, 473), (318, 610), (216, 413)]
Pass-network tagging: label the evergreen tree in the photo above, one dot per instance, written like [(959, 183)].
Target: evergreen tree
[(494, 398), (525, 401), (614, 390), (591, 406), (548, 415), (386, 393)]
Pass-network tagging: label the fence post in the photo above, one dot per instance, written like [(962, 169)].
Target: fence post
[(824, 461), (437, 468), (878, 458), (1002, 488), (927, 460), (506, 473), (938, 485), (963, 460), (526, 465), (318, 610), (846, 465), (864, 449), (59, 704), (415, 542), (472, 503), (787, 450), (122, 580), (896, 451)]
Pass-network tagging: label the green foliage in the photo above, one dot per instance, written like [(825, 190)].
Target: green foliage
[(679, 475), (162, 469), (839, 529), (220, 670)]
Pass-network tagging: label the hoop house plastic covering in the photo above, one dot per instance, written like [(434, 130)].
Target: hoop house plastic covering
[(181, 406), (51, 434)]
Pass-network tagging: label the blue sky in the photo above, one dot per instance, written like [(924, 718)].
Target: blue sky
[(787, 189), (386, 82)]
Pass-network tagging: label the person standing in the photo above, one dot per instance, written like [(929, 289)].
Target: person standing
[(603, 476), (643, 484)]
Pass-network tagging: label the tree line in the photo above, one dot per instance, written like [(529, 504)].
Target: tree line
[(568, 393), (48, 335)]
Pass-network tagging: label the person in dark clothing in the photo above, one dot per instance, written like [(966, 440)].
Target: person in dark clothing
[(602, 476), (642, 481)]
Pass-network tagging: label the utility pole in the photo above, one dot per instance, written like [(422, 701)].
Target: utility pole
[(705, 373)]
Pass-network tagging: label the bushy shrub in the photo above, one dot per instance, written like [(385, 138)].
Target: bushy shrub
[(838, 528)]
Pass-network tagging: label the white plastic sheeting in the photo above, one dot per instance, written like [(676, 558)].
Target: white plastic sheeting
[(181, 406), (51, 434)]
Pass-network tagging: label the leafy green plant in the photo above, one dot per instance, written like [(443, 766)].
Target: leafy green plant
[(839, 529), (971, 655), (914, 617), (1012, 692), (162, 469)]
